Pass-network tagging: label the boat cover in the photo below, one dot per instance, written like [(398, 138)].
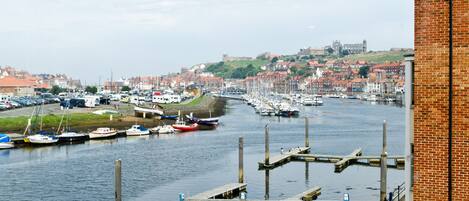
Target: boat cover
[(4, 138)]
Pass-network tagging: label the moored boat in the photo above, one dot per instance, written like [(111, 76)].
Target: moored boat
[(137, 130), (72, 137), (102, 133), (42, 139), (5, 142), (166, 129), (183, 127)]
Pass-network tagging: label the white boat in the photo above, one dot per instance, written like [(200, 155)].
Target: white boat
[(42, 139), (103, 133), (5, 142), (307, 102), (317, 101), (137, 130), (372, 98), (167, 129)]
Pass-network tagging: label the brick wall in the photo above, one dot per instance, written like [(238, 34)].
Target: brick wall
[(431, 100)]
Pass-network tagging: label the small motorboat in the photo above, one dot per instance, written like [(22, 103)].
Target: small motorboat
[(183, 127), (202, 121), (5, 142), (72, 137), (137, 130), (166, 129), (169, 117), (42, 139), (101, 133), (307, 102)]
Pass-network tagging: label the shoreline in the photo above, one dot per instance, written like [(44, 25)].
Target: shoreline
[(86, 122)]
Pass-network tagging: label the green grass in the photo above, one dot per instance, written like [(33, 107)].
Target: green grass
[(49, 121), (238, 64), (378, 57), (194, 102)]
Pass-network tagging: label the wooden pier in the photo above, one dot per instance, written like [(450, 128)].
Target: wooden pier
[(282, 158), (309, 195), (226, 191)]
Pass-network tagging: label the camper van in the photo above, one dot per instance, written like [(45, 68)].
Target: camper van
[(92, 101)]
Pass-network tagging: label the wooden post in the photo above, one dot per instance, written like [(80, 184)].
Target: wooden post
[(306, 132), (267, 185), (144, 115), (266, 161), (384, 167), (240, 157), (118, 180)]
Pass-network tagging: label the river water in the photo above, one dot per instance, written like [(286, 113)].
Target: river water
[(161, 167)]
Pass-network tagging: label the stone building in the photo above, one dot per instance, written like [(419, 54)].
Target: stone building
[(437, 97)]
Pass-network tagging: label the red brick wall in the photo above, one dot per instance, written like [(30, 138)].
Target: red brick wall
[(431, 100)]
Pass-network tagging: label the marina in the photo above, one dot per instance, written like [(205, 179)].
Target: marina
[(216, 147)]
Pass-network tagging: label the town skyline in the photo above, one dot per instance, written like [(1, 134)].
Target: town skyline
[(159, 37)]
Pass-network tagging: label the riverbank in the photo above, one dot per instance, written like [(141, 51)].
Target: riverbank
[(83, 120)]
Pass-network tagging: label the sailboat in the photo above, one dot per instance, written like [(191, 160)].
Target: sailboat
[(41, 137), (5, 142), (68, 135)]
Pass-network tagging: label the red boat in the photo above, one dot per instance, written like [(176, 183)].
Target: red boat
[(181, 126)]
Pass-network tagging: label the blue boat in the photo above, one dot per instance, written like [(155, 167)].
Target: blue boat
[(170, 117), (5, 142)]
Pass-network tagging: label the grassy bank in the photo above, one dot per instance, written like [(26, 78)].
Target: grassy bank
[(15, 124), (200, 106)]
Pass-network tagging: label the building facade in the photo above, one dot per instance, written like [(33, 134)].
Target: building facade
[(437, 146)]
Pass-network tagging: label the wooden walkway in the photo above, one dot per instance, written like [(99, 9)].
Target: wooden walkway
[(16, 138), (342, 162), (282, 158), (308, 195), (225, 191)]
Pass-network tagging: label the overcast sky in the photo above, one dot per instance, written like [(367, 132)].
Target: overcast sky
[(88, 38)]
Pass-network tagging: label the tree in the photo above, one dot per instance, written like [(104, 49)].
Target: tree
[(56, 90), (91, 89), (330, 50), (125, 88), (275, 59), (364, 71)]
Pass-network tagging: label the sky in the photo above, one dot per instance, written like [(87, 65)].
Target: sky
[(87, 39)]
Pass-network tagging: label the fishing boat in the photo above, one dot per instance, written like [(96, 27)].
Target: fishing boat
[(183, 127), (101, 133), (5, 142), (137, 130)]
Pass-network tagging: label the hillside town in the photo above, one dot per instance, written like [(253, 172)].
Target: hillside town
[(332, 69)]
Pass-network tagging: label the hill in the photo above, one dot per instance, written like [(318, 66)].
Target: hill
[(378, 57), (236, 69)]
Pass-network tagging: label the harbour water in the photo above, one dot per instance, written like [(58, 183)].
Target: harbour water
[(161, 167)]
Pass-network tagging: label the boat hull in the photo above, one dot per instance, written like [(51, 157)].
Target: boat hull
[(6, 145), (137, 133), (73, 138), (95, 136), (186, 128)]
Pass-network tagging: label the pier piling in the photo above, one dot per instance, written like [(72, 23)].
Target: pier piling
[(118, 180), (241, 165), (306, 132), (267, 154), (384, 167)]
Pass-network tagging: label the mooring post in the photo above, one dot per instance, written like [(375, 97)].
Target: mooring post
[(266, 161), (306, 132), (267, 185), (240, 157), (384, 166), (118, 180)]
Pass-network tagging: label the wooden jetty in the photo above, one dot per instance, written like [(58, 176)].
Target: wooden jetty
[(309, 195), (282, 158), (16, 138), (226, 191), (219, 193)]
